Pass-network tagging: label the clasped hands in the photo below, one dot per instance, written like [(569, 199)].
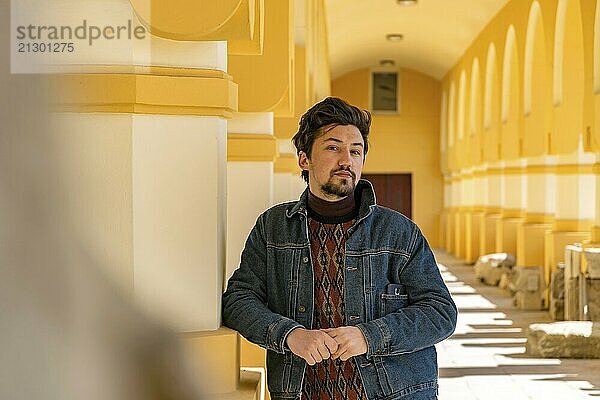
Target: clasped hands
[(317, 345)]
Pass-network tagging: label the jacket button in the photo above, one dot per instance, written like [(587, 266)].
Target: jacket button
[(305, 259), (301, 309)]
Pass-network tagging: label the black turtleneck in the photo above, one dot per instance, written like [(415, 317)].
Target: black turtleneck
[(333, 212)]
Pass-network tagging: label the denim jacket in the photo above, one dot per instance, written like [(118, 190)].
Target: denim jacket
[(393, 293)]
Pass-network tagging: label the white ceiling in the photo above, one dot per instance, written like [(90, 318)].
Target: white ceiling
[(436, 32)]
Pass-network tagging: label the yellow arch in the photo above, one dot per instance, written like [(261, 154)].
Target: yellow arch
[(537, 100), (568, 82), (491, 107), (510, 130), (475, 121)]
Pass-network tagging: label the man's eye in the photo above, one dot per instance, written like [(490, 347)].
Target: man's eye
[(332, 148), (356, 152)]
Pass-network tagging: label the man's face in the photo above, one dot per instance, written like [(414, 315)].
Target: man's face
[(336, 162)]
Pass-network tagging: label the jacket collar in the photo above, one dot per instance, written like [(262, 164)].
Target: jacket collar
[(367, 201)]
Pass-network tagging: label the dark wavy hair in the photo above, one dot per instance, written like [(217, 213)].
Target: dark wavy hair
[(324, 116)]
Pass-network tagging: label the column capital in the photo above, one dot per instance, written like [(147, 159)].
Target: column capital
[(148, 90), (240, 22)]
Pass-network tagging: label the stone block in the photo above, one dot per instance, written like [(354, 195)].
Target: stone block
[(528, 285), (572, 299), (557, 294), (592, 256), (557, 309), (490, 267), (567, 339), (593, 299)]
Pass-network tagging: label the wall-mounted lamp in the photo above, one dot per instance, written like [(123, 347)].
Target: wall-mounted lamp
[(406, 2), (387, 63)]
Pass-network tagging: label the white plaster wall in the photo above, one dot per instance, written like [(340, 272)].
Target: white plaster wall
[(587, 197), (568, 197), (94, 160), (287, 187), (467, 188), (541, 188), (179, 215), (455, 189), (298, 186), (447, 195), (512, 191), (251, 123), (249, 193), (536, 193), (495, 190), (576, 193)]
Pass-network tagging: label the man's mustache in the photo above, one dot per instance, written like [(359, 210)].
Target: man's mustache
[(346, 169)]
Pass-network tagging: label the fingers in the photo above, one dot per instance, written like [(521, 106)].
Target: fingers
[(342, 348), (331, 344), (309, 359), (323, 352), (332, 332)]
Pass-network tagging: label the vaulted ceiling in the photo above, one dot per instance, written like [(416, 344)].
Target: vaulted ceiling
[(436, 32)]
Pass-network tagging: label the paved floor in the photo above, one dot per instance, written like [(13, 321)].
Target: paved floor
[(485, 358)]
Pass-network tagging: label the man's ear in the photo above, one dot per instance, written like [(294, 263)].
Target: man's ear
[(303, 161)]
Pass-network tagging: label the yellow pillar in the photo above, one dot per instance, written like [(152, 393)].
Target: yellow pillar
[(575, 206), (492, 203), (539, 212), (512, 207)]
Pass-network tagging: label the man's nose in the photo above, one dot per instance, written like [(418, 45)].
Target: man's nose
[(345, 159)]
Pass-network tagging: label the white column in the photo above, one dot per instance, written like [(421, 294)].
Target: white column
[(249, 187), (576, 194), (541, 186), (288, 186)]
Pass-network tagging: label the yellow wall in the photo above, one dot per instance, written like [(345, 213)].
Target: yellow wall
[(407, 142), (561, 107)]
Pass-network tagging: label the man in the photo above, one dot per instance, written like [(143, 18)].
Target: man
[(345, 295)]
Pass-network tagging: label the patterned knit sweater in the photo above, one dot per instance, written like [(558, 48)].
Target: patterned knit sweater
[(330, 379)]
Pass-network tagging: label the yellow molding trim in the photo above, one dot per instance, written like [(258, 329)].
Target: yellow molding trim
[(541, 169), (169, 91), (565, 169), (572, 225), (595, 234), (512, 213), (513, 171), (221, 331), (539, 218), (251, 147), (493, 210), (286, 163)]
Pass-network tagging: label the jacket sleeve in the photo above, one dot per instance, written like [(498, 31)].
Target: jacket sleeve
[(245, 300), (430, 316)]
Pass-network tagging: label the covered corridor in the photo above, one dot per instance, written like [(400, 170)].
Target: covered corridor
[(146, 160), (486, 358)]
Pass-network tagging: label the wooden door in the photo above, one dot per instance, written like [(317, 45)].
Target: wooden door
[(393, 191)]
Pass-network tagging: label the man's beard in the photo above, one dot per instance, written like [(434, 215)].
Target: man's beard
[(339, 189)]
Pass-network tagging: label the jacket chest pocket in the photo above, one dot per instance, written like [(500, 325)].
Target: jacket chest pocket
[(285, 269), (390, 303), (394, 298)]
